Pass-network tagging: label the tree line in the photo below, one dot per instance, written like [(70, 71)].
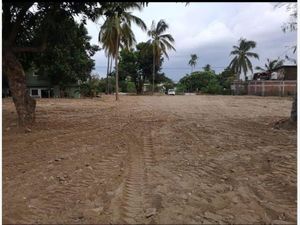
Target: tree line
[(45, 36)]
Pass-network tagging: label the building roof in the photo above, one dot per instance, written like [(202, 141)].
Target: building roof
[(287, 66)]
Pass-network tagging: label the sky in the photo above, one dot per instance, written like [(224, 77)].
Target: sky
[(210, 30)]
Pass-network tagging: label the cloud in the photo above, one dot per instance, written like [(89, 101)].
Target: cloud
[(210, 30)]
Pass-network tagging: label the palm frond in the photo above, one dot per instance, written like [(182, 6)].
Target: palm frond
[(161, 27), (252, 54), (138, 21), (167, 37), (168, 44), (235, 52)]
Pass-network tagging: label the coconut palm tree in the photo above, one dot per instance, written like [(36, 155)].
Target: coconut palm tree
[(161, 42), (241, 61), (193, 61), (207, 68), (116, 31), (271, 65)]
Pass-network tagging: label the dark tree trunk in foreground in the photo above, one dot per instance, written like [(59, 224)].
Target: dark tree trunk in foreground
[(25, 105), (294, 109)]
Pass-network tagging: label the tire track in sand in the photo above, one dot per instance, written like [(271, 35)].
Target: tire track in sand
[(134, 199)]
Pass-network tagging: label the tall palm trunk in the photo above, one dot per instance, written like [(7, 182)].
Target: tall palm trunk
[(153, 73), (110, 70), (117, 69), (107, 89), (25, 105)]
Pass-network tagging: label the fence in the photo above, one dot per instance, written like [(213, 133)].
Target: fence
[(272, 87)]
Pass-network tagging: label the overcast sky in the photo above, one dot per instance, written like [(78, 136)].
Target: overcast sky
[(210, 30)]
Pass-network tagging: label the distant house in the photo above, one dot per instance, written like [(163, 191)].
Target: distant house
[(281, 82), (285, 72), (40, 86), (146, 87)]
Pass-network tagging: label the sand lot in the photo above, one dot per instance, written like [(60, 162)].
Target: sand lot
[(151, 159)]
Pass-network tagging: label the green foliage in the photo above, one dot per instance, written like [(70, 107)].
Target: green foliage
[(123, 86), (90, 88), (241, 62), (180, 88), (72, 53), (204, 81), (161, 42), (213, 87), (131, 87), (48, 38), (128, 65), (116, 31), (145, 61), (225, 79), (137, 64), (271, 65), (207, 68), (193, 61)]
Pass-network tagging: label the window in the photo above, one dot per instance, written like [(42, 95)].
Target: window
[(34, 92), (34, 74)]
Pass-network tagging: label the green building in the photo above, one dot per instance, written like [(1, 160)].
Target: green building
[(40, 86)]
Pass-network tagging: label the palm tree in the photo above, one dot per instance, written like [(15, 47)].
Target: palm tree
[(116, 31), (271, 65), (207, 68), (241, 61), (193, 61), (161, 42)]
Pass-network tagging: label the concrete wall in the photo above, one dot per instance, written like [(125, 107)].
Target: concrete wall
[(272, 88)]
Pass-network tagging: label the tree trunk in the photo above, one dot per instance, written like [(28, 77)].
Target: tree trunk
[(139, 86), (153, 73), (294, 109), (25, 105), (117, 69), (110, 71), (107, 90)]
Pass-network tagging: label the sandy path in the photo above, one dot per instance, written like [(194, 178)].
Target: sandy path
[(161, 159)]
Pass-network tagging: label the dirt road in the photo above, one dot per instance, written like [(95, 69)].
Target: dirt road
[(151, 159)]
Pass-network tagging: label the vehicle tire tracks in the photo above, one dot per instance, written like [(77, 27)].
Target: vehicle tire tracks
[(136, 197)]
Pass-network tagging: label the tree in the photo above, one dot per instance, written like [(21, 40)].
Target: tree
[(241, 62), (91, 87), (271, 65), (161, 42), (71, 49), (205, 81), (25, 29), (225, 79), (137, 64), (128, 66), (193, 61), (292, 27), (116, 31), (207, 68)]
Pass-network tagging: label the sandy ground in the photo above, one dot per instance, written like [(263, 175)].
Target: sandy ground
[(151, 159)]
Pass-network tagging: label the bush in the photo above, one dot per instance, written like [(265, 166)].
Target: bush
[(212, 87), (131, 87)]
